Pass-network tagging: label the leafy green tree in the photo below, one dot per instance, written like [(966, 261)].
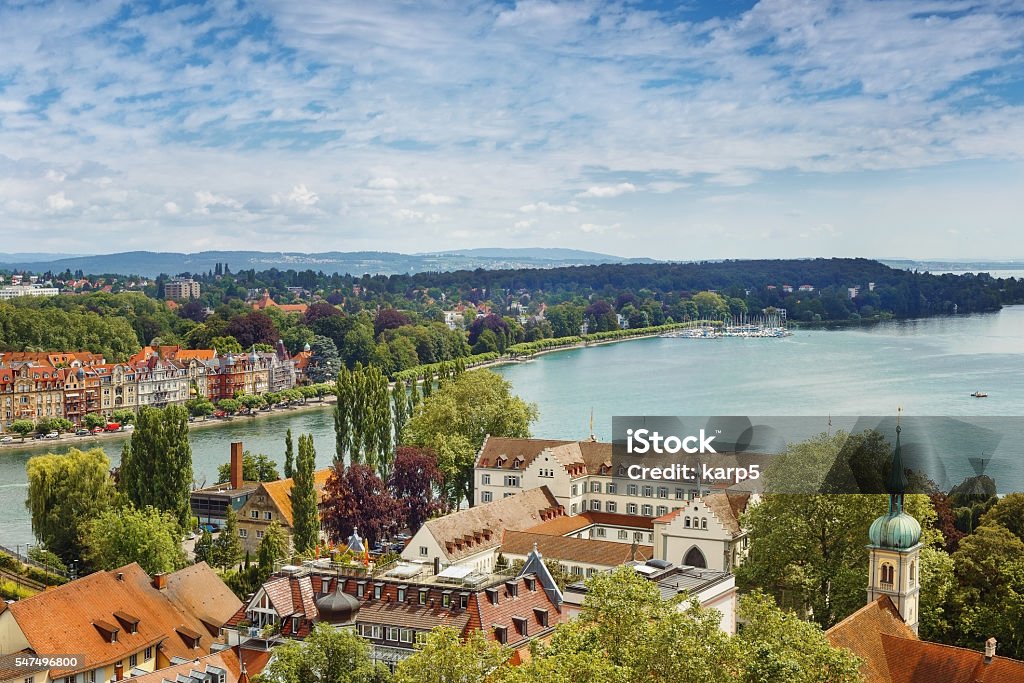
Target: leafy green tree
[(252, 401), (65, 493), (199, 406), (40, 555), (324, 361), (327, 655), (225, 344), (777, 646), (938, 612), (93, 420), (455, 420), (273, 547), (124, 416), (121, 536), (22, 427), (1008, 513), (255, 467), (989, 566), (156, 464), (204, 547), (227, 548), (60, 424), (44, 426), (229, 405), (446, 657), (289, 455), (306, 520)]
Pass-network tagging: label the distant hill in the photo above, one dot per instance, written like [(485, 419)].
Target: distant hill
[(151, 263)]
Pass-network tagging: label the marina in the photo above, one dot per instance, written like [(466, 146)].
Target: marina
[(769, 325)]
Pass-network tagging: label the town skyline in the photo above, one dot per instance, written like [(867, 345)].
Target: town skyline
[(714, 130)]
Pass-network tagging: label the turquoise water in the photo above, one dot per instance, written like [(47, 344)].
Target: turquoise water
[(929, 367)]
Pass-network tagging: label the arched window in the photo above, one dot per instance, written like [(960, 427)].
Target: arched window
[(703, 522), (686, 522), (887, 572), (913, 572), (695, 558)]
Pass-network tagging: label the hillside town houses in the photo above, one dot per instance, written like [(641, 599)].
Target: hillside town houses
[(39, 386)]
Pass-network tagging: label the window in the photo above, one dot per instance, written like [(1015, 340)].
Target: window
[(611, 506), (590, 572), (623, 534), (648, 491), (486, 497), (686, 522), (638, 536), (254, 514), (243, 533), (611, 488), (595, 487), (423, 596), (600, 532), (662, 492), (574, 508), (446, 599), (511, 480), (576, 571), (93, 676), (501, 634), (647, 510), (376, 591), (595, 505), (661, 509), (406, 635), (575, 490), (522, 625), (30, 679), (680, 494), (393, 633), (631, 509), (376, 632), (133, 661), (463, 600), (421, 637), (401, 594), (360, 589), (423, 551), (268, 516), (485, 479), (888, 573), (631, 489), (703, 522), (148, 655), (259, 533)]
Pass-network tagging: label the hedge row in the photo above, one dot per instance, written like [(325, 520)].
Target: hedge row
[(435, 369)]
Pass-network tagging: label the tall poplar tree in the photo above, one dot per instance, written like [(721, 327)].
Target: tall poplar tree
[(399, 409), (156, 464), (289, 455), (305, 518), (343, 414)]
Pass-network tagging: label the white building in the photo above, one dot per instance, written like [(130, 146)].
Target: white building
[(14, 291)]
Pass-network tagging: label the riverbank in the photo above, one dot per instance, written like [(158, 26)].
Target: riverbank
[(85, 442)]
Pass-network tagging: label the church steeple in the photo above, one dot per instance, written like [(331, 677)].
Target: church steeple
[(895, 546)]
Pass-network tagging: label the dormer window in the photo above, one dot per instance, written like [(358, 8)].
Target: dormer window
[(541, 615), (522, 625), (492, 595), (531, 582), (446, 599), (376, 591), (512, 588), (129, 622), (500, 634)]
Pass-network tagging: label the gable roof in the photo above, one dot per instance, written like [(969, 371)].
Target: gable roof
[(198, 590), (467, 532), (76, 611), (862, 632), (197, 670), (569, 524), (279, 491), (568, 549)]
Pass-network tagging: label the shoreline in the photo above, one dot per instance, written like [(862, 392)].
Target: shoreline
[(71, 440)]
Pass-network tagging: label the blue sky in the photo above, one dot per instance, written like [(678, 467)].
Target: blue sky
[(673, 130)]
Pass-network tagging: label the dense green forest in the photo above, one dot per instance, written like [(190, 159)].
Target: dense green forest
[(397, 322)]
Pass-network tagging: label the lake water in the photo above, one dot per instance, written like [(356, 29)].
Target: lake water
[(929, 367)]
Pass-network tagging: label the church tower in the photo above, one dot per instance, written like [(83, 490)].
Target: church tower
[(895, 548)]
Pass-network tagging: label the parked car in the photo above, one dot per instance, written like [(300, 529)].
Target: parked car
[(114, 427), (53, 435), (7, 439), (127, 428), (97, 430), (38, 436), (83, 432)]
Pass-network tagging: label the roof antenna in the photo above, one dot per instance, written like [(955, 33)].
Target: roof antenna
[(592, 437)]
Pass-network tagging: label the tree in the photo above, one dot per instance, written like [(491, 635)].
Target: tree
[(60, 424), (415, 484), (448, 658), (777, 646), (357, 498), (327, 655), (255, 467), (389, 319), (93, 420), (227, 548), (65, 493), (204, 548), (989, 568), (156, 464), (455, 420), (125, 535), (273, 547), (324, 361), (1007, 513), (289, 455), (124, 416), (229, 405), (938, 612), (22, 427), (254, 327), (306, 520), (199, 407), (226, 344)]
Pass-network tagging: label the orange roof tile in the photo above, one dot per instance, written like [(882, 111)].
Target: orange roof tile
[(567, 549), (224, 659), (862, 632), (280, 490)]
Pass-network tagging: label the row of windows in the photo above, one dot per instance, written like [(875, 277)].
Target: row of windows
[(391, 633), (623, 535), (635, 490), (96, 674), (255, 514)]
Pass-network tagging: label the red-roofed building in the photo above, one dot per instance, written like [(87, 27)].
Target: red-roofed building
[(265, 302)]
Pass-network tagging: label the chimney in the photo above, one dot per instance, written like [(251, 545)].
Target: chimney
[(990, 650), (236, 464), (120, 576), (118, 672), (160, 581), (437, 565)]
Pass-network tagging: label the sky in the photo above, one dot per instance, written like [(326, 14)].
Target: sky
[(674, 130)]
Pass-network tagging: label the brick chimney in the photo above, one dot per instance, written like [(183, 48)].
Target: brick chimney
[(990, 650), (118, 672), (160, 581), (236, 464)]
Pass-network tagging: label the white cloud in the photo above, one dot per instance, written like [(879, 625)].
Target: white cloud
[(605, 191), (544, 207), (58, 203), (300, 194), (383, 184), (598, 228), (171, 209), (55, 176), (434, 199)]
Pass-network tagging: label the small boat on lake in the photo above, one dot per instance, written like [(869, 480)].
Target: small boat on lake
[(979, 394)]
